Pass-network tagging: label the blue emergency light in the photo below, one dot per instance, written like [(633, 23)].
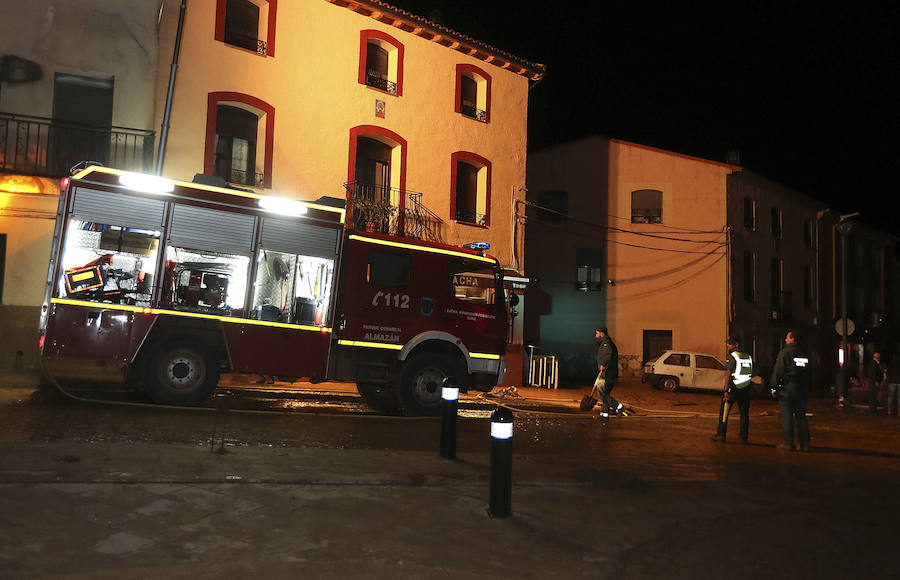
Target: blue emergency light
[(480, 246)]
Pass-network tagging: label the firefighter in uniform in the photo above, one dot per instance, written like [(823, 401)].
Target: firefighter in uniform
[(791, 379), (736, 389)]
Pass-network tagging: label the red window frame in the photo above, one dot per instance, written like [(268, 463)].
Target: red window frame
[(224, 97), (376, 131), (270, 27), (480, 162), (364, 36), (472, 69)]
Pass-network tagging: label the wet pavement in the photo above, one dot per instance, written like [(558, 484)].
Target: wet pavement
[(328, 489)]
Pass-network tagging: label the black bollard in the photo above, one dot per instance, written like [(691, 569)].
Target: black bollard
[(219, 423), (501, 462), (449, 405)]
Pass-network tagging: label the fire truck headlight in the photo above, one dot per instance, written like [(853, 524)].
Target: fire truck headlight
[(147, 183), (282, 205)]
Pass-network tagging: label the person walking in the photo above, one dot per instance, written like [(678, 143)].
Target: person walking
[(736, 390), (876, 376), (791, 379), (608, 372), (893, 380)]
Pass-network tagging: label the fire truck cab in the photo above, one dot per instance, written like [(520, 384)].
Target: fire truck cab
[(178, 282)]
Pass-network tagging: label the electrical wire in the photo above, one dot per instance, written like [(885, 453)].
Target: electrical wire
[(675, 250), (622, 230)]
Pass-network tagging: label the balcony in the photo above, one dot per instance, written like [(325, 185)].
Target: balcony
[(48, 148), (470, 217), (370, 208), (241, 177), (377, 80), (475, 113)]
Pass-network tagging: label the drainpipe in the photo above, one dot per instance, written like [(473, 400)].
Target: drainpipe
[(164, 128)]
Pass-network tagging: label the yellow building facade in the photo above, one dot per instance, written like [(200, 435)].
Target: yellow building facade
[(301, 98)]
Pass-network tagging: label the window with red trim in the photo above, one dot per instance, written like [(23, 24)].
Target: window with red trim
[(381, 61), (248, 24), (239, 139), (470, 183), (473, 92)]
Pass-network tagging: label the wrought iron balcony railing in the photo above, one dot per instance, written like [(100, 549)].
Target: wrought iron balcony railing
[(242, 177), (376, 80), (377, 208), (475, 113), (470, 217), (49, 148), (235, 38)]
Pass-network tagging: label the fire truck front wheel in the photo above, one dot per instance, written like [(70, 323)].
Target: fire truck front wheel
[(421, 381), (181, 373)]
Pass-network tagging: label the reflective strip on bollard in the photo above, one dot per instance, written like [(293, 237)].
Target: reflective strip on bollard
[(501, 430), (450, 393)]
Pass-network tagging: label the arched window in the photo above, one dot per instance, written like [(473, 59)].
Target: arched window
[(239, 139), (381, 62), (376, 178), (473, 92), (470, 189), (247, 24), (646, 206)]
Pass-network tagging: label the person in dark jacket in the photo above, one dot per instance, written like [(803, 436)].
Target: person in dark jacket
[(608, 372), (876, 377), (791, 379), (893, 379)]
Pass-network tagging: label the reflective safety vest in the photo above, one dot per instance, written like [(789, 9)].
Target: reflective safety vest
[(743, 370)]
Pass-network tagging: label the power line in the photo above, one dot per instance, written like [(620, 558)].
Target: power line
[(624, 231), (707, 252)]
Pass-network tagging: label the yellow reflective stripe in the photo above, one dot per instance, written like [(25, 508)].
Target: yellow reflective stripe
[(484, 355), (109, 170), (229, 319), (421, 248), (96, 305), (370, 344)]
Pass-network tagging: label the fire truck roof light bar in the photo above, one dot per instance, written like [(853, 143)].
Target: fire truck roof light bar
[(98, 169), (422, 248), (87, 304)]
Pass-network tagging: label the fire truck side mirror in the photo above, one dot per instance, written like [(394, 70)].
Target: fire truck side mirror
[(513, 300)]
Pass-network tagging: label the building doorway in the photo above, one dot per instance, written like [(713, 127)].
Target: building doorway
[(656, 342), (82, 119)]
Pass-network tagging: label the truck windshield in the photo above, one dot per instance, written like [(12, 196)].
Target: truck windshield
[(475, 283)]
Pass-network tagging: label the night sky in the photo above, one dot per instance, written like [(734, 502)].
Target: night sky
[(808, 91)]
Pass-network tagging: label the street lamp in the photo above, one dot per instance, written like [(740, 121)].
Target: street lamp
[(844, 226)]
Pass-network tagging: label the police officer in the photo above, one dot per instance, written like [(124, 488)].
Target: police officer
[(791, 379), (736, 389)]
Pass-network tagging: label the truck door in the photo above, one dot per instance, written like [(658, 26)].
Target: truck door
[(378, 305)]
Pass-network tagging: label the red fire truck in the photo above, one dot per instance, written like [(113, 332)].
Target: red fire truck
[(173, 283)]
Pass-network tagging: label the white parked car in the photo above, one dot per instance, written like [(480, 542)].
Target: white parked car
[(677, 369)]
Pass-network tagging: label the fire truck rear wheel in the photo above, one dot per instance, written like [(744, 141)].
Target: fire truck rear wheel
[(421, 380), (181, 373)]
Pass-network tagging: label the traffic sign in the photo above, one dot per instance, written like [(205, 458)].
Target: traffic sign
[(839, 327)]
